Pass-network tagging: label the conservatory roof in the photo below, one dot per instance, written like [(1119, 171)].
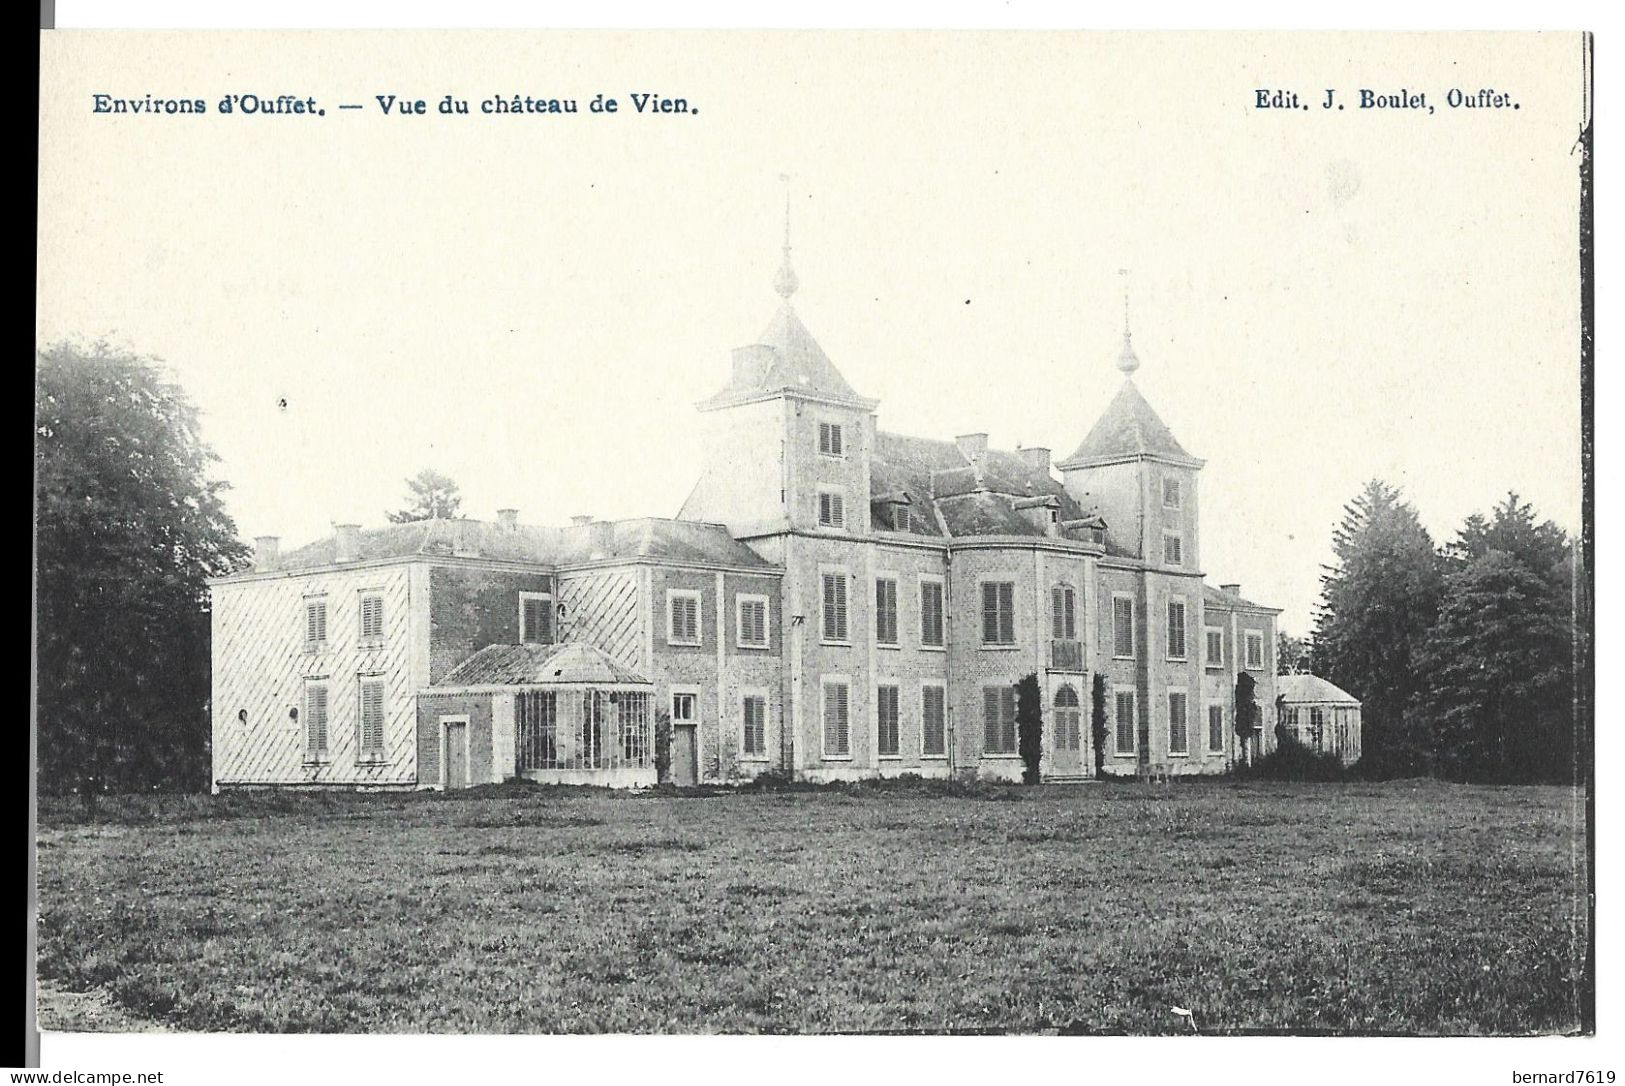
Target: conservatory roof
[(572, 664)]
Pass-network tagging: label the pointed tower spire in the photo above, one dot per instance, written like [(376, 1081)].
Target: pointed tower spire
[(1128, 361), (785, 282)]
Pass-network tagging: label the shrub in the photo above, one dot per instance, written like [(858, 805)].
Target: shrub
[(662, 751), (1097, 723), (1291, 760), (1029, 727)]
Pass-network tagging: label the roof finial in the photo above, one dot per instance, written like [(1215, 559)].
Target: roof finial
[(1128, 362), (785, 282)]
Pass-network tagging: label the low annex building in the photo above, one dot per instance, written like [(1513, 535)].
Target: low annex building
[(833, 601), (1320, 715)]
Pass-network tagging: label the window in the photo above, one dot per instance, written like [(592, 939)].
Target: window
[(1068, 720), (1170, 492), (1215, 646), (1215, 728), (1178, 733), (1063, 605), (315, 624), (682, 617), (370, 721), (1317, 726), (754, 712), (685, 707), (933, 722), (1176, 629), (886, 611), (751, 621), (535, 618), (538, 729), (1173, 549), (998, 613), (372, 618), (835, 628), (931, 613), (831, 439), (901, 520), (1123, 626), (1125, 722), (831, 509), (999, 719), (886, 714), (316, 722), (1255, 650), (837, 719)]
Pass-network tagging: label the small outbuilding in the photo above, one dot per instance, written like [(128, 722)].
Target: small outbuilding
[(1321, 716), (559, 714)]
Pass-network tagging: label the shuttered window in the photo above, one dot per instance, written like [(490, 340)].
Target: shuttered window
[(315, 623), (1215, 727), (682, 618), (831, 439), (1215, 647), (754, 711), (370, 722), (999, 719), (835, 628), (535, 618), (752, 620), (886, 711), (372, 618), (831, 509), (1122, 626), (837, 721), (1176, 629), (1063, 604), (886, 611), (933, 722), (316, 722), (1173, 549), (998, 613), (1170, 492), (931, 613), (1255, 650), (1178, 733), (1125, 722)]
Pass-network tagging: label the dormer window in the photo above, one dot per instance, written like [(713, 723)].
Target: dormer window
[(831, 439), (1171, 496)]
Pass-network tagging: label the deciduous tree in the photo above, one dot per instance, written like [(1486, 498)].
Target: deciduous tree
[(431, 496), (128, 528)]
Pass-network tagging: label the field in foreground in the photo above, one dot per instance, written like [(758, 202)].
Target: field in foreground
[(1402, 907)]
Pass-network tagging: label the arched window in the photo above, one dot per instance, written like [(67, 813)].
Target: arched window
[(1068, 719)]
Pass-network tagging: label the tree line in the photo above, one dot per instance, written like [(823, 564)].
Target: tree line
[(1470, 658)]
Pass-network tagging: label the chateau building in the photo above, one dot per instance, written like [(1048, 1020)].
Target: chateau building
[(832, 601)]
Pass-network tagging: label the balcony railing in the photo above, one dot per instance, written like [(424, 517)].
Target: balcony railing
[(1065, 655)]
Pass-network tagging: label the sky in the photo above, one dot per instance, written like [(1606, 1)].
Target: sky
[(533, 304)]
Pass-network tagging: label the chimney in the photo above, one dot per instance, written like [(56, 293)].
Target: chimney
[(346, 542), (602, 534), (1037, 458), (266, 552), (972, 446), (1233, 589), (508, 518), (581, 520)]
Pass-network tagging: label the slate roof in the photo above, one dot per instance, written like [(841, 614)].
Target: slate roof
[(1215, 597), (1312, 689), (541, 665), (945, 490), (1129, 427), (680, 541), (788, 359)]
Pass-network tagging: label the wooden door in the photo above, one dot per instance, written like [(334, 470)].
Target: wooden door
[(456, 754), (1066, 734), (685, 755)]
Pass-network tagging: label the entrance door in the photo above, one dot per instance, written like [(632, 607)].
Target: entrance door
[(457, 754), (1066, 742), (685, 755)]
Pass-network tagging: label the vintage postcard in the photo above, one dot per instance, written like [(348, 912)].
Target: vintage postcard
[(1035, 533)]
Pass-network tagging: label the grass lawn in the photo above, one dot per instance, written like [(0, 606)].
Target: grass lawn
[(1368, 908)]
